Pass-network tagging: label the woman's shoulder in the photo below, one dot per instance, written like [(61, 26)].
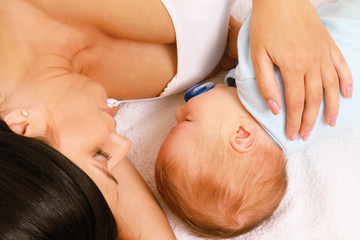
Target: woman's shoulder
[(141, 20)]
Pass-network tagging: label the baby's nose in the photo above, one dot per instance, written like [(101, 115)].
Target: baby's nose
[(180, 114)]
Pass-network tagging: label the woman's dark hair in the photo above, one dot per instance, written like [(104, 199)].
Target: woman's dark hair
[(43, 195)]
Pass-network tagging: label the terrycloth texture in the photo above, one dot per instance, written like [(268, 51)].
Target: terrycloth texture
[(322, 201)]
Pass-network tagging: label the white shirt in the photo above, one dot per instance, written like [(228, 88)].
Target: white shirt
[(201, 28)]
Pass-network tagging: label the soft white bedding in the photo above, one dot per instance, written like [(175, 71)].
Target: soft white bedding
[(323, 197)]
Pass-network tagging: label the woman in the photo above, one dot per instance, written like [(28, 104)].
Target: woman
[(52, 198), (61, 60)]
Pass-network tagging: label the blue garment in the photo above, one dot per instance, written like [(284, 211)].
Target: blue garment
[(342, 19)]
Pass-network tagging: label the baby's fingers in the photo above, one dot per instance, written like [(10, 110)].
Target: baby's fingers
[(231, 47)]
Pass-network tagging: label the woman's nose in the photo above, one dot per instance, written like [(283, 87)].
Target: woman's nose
[(120, 148), (180, 114)]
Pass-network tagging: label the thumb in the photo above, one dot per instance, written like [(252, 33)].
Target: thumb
[(265, 77)]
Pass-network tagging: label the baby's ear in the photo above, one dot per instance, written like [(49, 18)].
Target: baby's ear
[(18, 121), (243, 139)]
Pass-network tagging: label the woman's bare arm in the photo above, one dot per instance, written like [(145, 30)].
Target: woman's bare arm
[(141, 20), (138, 214)]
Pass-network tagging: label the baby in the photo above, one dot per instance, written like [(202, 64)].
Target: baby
[(222, 168)]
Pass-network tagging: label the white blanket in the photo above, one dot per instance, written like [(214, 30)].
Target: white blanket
[(323, 197)]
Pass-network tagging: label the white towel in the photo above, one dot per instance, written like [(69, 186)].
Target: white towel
[(323, 197)]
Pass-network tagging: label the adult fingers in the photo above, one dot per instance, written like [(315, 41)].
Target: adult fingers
[(265, 77), (343, 71), (331, 91), (313, 99), (294, 97)]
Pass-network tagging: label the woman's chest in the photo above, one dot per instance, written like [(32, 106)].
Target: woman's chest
[(127, 69)]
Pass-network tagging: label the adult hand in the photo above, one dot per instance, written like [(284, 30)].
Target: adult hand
[(289, 34)]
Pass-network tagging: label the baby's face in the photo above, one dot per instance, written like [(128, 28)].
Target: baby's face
[(204, 116)]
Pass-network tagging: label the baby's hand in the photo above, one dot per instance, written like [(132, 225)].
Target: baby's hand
[(231, 52), (231, 47), (228, 61), (289, 34)]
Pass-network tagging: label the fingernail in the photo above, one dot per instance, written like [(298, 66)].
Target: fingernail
[(349, 92), (306, 136), (273, 107), (293, 137), (332, 122)]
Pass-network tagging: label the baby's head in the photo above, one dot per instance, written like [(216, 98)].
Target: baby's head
[(217, 169)]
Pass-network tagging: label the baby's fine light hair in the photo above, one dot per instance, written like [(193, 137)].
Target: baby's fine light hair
[(223, 194)]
